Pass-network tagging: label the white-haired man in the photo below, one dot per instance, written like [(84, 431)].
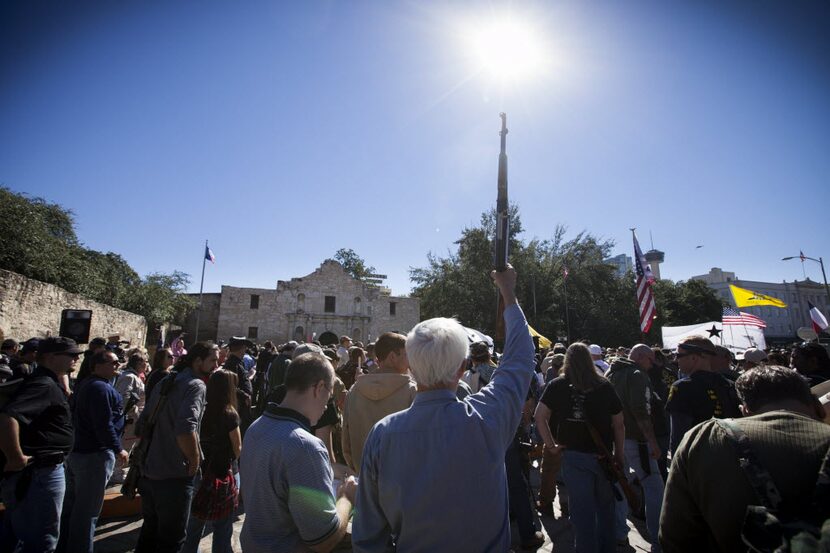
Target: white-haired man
[(433, 470)]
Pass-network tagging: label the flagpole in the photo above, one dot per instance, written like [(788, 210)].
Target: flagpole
[(201, 287), (567, 311)]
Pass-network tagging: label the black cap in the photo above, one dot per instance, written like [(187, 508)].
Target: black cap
[(58, 344), (97, 342), (30, 345)]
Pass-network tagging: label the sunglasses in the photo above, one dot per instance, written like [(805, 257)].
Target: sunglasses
[(170, 357), (69, 354), (682, 355)]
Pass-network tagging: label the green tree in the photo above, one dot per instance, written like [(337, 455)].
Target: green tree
[(601, 305), (353, 264), (685, 303), (161, 298), (38, 240)]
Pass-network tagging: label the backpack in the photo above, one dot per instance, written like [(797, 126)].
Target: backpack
[(772, 527)]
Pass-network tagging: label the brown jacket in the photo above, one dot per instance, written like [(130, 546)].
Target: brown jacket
[(372, 397)]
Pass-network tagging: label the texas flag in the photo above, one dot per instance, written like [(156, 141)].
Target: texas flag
[(817, 318), (209, 255)]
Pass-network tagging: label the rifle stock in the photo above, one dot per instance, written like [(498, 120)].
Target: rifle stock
[(608, 464)]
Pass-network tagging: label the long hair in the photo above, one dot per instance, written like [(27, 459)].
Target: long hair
[(220, 397), (199, 350), (159, 357), (579, 368)]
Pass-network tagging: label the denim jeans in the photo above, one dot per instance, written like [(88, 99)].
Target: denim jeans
[(652, 484), (518, 491), (165, 505), (87, 475), (222, 529), (591, 502), (34, 522)]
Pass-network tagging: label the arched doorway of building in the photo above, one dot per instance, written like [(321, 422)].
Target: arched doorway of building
[(328, 338), (299, 334), (356, 334)]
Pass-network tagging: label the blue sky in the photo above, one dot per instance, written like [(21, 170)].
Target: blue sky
[(282, 131)]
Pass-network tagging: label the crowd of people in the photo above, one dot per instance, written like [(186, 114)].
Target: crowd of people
[(422, 442)]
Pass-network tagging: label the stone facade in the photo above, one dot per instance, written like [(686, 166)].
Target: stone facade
[(323, 305), (30, 308)]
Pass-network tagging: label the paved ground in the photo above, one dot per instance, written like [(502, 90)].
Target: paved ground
[(120, 535)]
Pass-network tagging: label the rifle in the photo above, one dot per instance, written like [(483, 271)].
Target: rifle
[(614, 471), (139, 453), (500, 244)]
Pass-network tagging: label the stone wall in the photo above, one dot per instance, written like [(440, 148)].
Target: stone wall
[(30, 308)]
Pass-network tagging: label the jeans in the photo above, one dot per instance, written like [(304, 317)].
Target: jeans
[(86, 481), (652, 484), (222, 529), (518, 491), (34, 522), (165, 505), (591, 502)]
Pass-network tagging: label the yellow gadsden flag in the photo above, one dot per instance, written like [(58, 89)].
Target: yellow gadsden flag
[(748, 298), (543, 342)]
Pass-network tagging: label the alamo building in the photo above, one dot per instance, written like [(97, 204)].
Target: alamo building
[(323, 305)]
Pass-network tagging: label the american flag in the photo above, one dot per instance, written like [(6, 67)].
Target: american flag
[(732, 316), (645, 297)]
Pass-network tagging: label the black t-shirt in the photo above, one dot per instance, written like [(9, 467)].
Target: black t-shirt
[(155, 377), (570, 409), (41, 408), (216, 443), (704, 395)]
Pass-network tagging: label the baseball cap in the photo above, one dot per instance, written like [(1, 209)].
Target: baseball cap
[(306, 348), (595, 349), (58, 344), (755, 355)]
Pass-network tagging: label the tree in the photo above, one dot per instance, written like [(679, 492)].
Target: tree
[(353, 264), (598, 301), (602, 306), (161, 298), (38, 240)]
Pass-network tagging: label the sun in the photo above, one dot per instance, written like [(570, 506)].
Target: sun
[(505, 49)]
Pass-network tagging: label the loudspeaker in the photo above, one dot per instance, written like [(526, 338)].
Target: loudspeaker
[(75, 324)]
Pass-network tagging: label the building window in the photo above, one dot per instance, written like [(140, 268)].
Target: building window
[(254, 301), (300, 302), (252, 332), (299, 334), (330, 304), (357, 306), (393, 306)]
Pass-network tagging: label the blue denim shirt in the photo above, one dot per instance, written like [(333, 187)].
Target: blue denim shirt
[(432, 477)]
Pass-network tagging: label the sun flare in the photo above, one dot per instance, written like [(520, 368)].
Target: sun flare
[(506, 49)]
